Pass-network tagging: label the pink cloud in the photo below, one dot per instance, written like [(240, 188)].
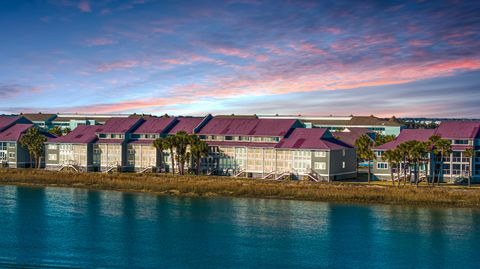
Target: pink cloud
[(232, 52), (84, 6), (309, 48), (107, 67), (124, 106), (420, 43), (102, 41)]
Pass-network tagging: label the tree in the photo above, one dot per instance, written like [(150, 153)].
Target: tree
[(182, 144), (403, 150), (468, 153), (393, 158), (66, 131), (364, 145), (160, 144), (418, 151), (171, 143), (433, 144), (199, 149), (445, 149), (383, 139), (56, 131), (34, 141)]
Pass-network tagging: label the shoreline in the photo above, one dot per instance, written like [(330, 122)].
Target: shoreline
[(216, 186)]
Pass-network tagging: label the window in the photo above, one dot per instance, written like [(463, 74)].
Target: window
[(382, 165), (52, 146), (379, 153), (343, 165), (11, 145), (52, 157), (320, 154), (228, 137), (11, 155), (320, 165), (460, 142), (343, 152), (102, 135)]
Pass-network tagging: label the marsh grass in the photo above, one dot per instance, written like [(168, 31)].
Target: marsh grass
[(226, 186)]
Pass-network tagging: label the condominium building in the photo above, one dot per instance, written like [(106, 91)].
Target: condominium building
[(339, 123), (274, 148), (12, 153), (463, 135)]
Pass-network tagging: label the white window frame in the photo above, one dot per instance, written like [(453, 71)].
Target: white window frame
[(320, 154), (320, 165)]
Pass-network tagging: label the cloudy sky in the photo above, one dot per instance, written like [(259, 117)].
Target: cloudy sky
[(420, 58)]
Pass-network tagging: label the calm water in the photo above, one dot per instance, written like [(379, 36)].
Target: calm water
[(56, 227)]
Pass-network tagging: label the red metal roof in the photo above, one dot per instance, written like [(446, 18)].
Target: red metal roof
[(6, 121), (187, 124), (248, 127), (458, 129), (154, 126), (241, 144), (352, 136), (310, 138), (142, 141), (408, 135), (81, 135), (15, 132), (119, 125)]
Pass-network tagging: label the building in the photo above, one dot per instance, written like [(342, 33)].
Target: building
[(41, 120), (72, 120), (336, 123), (381, 169), (274, 148), (351, 135), (141, 153), (12, 154), (74, 150), (462, 134), (110, 151)]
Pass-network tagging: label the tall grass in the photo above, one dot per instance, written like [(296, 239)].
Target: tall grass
[(226, 186)]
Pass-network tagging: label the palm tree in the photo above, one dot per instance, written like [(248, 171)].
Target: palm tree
[(199, 149), (171, 143), (160, 144), (418, 152), (403, 150), (445, 149), (383, 139), (433, 143), (392, 157), (56, 131), (364, 146), (34, 141), (468, 153), (182, 143)]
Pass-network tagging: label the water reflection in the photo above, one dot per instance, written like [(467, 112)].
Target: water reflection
[(68, 227)]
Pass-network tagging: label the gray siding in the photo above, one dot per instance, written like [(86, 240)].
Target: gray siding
[(338, 158)]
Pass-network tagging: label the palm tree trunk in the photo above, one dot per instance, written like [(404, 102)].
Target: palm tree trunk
[(172, 161), (404, 171), (434, 168), (369, 171), (441, 170), (391, 173), (417, 164), (198, 164), (469, 172), (398, 174)]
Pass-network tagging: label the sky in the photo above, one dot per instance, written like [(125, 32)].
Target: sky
[(408, 59)]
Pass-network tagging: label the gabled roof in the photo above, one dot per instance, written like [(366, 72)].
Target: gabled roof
[(154, 125), (7, 121), (248, 127), (14, 132), (119, 125), (421, 135), (39, 116), (351, 136), (458, 129), (310, 138), (356, 121), (187, 124), (83, 134)]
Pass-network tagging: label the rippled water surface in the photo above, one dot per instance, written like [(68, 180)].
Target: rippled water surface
[(57, 227)]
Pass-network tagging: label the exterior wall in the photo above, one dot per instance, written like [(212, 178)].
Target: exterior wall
[(380, 169), (320, 162), (58, 155), (140, 156), (14, 155), (107, 156), (342, 164)]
